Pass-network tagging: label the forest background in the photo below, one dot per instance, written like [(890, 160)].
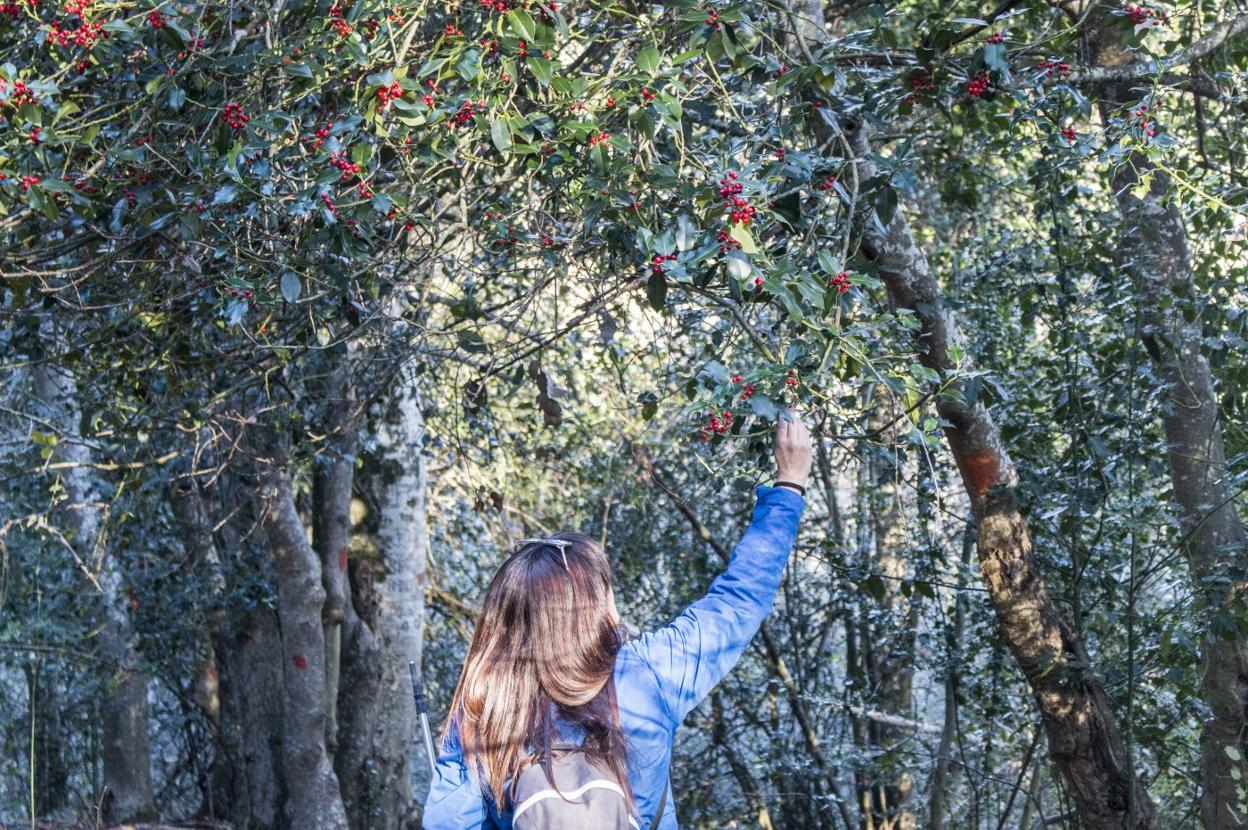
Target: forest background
[(312, 309)]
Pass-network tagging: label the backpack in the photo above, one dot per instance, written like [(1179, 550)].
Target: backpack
[(587, 797)]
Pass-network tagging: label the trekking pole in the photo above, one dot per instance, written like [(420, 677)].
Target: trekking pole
[(418, 692)]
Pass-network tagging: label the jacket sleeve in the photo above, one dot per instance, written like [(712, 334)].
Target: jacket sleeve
[(454, 801), (702, 645)]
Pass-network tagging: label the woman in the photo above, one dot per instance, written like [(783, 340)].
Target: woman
[(548, 665)]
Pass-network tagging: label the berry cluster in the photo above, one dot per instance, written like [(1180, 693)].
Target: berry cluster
[(464, 114), (347, 168), (85, 35), (27, 182), (329, 205), (601, 138), (500, 6), (780, 151), (712, 17), (841, 282), (338, 15), (828, 183), (322, 135), (656, 264), (647, 94), (1047, 67), (978, 85), (1142, 14), (1068, 133), (996, 37), (432, 95), (156, 19), (78, 8), (234, 116), (726, 242), (21, 94), (33, 135), (389, 93), (716, 424), (782, 71), (791, 380), (740, 210), (1141, 120), (453, 31)]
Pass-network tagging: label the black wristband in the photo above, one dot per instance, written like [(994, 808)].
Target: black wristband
[(799, 488)]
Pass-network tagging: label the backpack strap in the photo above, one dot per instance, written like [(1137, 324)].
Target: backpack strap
[(658, 814)]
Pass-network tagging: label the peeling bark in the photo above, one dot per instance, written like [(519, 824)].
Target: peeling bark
[(1083, 738), (124, 738)]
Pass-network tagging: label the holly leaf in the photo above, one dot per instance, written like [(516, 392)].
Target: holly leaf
[(656, 290)]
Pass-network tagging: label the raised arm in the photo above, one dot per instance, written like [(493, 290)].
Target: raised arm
[(699, 647), (454, 801)]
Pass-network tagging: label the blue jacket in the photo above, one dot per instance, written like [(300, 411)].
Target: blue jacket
[(660, 676)]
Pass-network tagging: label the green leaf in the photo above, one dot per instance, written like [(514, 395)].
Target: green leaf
[(500, 134), (648, 60), (742, 234), (522, 24), (541, 68), (885, 203), (291, 286), (1233, 753), (656, 290), (764, 407), (994, 57)]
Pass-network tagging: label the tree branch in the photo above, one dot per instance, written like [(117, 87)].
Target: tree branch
[(1224, 31)]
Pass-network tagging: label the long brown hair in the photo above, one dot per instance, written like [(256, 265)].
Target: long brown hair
[(544, 650)]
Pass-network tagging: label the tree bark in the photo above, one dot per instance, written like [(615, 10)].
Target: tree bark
[(1153, 249), (124, 710), (332, 480), (313, 800), (890, 661), (938, 799), (1084, 741), (384, 624)]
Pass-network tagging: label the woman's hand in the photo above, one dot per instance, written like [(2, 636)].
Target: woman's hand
[(793, 448)]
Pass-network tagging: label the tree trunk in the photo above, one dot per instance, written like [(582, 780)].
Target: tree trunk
[(50, 772), (1154, 251), (332, 480), (248, 788), (313, 800), (938, 799), (124, 727), (1084, 742), (384, 626), (238, 686), (890, 661)]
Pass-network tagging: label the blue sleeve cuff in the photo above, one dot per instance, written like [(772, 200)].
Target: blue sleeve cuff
[(779, 495)]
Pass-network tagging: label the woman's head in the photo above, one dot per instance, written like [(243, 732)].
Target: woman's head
[(545, 645)]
